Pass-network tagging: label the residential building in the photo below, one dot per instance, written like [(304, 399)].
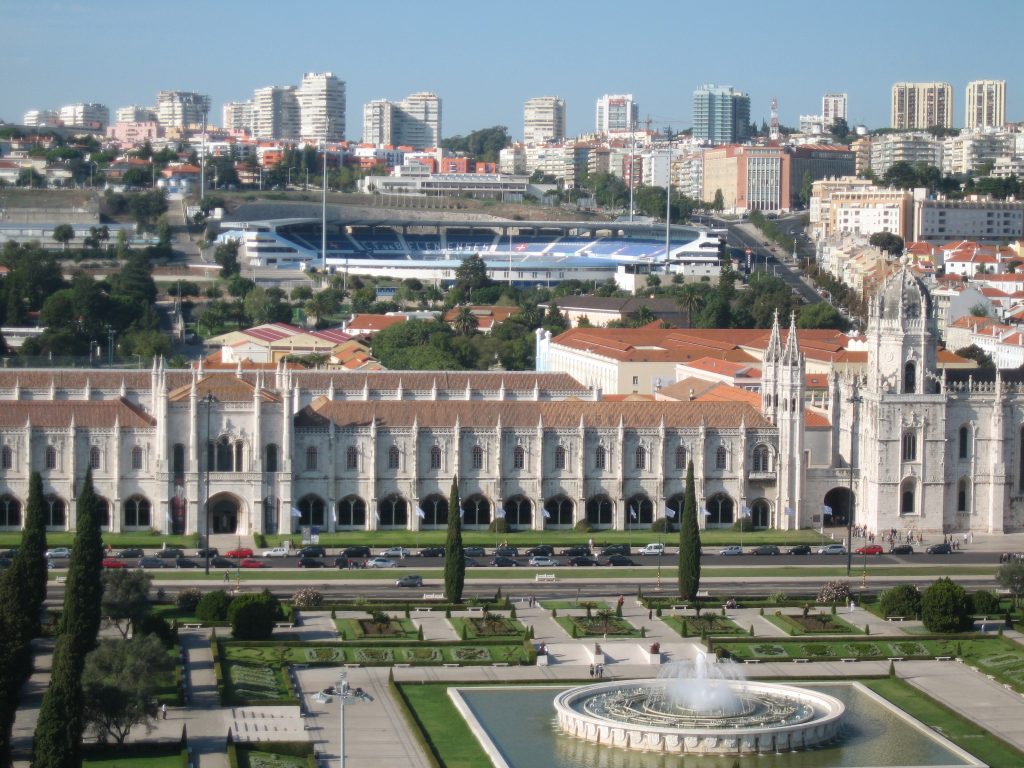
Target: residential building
[(985, 106), (415, 121), (239, 116), (833, 107), (135, 133), (979, 219), (321, 99), (276, 113), (600, 310), (86, 115), (181, 109), (852, 206), (37, 117), (966, 153), (721, 115), (135, 114), (616, 113), (513, 160), (811, 124), (919, 106), (912, 148), (418, 180), (749, 177), (543, 120)]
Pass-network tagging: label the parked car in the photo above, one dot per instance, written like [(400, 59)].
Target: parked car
[(5, 562), (207, 552), (765, 549), (10, 554), (503, 562), (939, 549), (221, 562), (869, 549), (252, 562), (543, 561), (543, 550), (800, 549), (619, 560), (314, 550), (359, 551), (150, 562), (170, 553), (432, 552), (731, 551), (653, 549), (410, 580), (614, 549), (832, 549), (112, 562), (131, 552), (473, 551), (59, 552), (506, 552), (381, 562), (583, 560), (577, 551), (239, 552), (184, 562), (399, 552), (472, 562), (311, 562), (901, 549), (276, 552)]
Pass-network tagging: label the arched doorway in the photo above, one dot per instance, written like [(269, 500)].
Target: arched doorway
[(435, 511), (639, 511), (392, 512), (839, 501), (223, 511), (761, 513), (518, 511), (559, 512), (600, 511), (312, 512), (721, 511), (351, 513), (476, 511)]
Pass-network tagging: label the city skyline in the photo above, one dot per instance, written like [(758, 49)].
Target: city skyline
[(479, 83)]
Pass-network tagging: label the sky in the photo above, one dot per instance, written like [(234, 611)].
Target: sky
[(484, 59)]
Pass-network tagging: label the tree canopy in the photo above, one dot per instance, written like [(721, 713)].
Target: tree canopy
[(483, 144)]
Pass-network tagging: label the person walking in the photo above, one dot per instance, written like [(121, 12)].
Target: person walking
[(163, 711), (591, 670)]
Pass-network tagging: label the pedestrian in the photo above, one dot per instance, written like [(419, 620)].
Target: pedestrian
[(226, 579), (622, 601), (591, 670), (590, 543), (600, 670), (163, 711)]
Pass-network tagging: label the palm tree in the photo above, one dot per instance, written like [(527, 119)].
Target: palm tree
[(465, 322), (321, 305), (692, 299), (606, 615)]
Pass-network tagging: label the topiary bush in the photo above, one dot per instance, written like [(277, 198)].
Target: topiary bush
[(984, 602), (902, 600), (307, 598), (582, 526), (253, 616), (833, 592), (744, 524), (188, 599), (499, 525), (661, 525), (945, 607), (213, 606)]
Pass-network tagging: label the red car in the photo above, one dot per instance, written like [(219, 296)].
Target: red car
[(252, 562), (869, 549), (241, 552), (113, 562)]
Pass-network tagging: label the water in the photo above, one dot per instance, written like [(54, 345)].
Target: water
[(703, 686), (521, 723)]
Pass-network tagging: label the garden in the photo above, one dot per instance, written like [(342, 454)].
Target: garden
[(271, 755), (703, 625), (490, 625), (600, 624), (379, 626), (808, 623)]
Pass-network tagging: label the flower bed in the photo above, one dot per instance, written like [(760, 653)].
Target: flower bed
[(581, 626), (709, 624), (812, 624), (489, 626)]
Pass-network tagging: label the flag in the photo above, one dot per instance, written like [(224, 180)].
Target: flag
[(826, 511), (546, 514), (420, 513), (744, 511), (632, 513), (376, 514), (296, 512), (704, 511), (670, 513), (499, 513), (790, 512)]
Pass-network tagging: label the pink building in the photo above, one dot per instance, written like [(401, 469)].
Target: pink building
[(133, 134)]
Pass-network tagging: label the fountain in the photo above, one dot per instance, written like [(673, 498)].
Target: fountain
[(703, 707)]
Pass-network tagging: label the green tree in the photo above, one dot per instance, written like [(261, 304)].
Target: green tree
[(323, 305), (125, 597), (888, 242), (901, 600), (28, 572), (471, 275), (63, 234), (806, 188), (689, 541), (483, 144), (465, 322), (945, 607), (978, 355), (1010, 576), (718, 203), (839, 128), (820, 315), (454, 556), (226, 254), (253, 616)]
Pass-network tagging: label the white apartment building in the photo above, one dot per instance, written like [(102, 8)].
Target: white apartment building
[(922, 105), (811, 124), (36, 117), (89, 115), (417, 180), (554, 161), (135, 114), (321, 99), (688, 172), (910, 148), (852, 206), (1005, 167), (543, 120), (512, 159), (833, 107), (616, 113), (415, 121), (276, 113), (970, 150), (979, 219), (238, 116), (378, 116), (657, 167), (180, 109), (986, 104)]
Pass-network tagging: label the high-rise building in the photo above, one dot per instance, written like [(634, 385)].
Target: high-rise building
[(180, 109), (36, 117), (918, 106), (986, 104), (276, 112), (321, 98), (833, 107), (721, 114), (135, 114), (88, 115), (238, 116), (543, 120), (616, 113), (415, 121)]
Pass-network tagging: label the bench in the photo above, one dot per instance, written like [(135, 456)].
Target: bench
[(403, 665), (943, 658), (545, 577), (500, 664), (452, 665), (848, 661), (192, 626), (751, 661), (895, 618), (703, 593), (800, 661), (353, 666), (678, 608), (284, 625), (422, 610), (434, 596), (62, 579), (475, 609), (895, 658)]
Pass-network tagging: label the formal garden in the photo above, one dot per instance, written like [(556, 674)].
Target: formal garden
[(271, 754)]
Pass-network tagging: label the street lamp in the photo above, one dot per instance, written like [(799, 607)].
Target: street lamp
[(289, 182), (206, 526), (854, 400)]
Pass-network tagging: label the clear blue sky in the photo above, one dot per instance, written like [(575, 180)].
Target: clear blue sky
[(484, 59)]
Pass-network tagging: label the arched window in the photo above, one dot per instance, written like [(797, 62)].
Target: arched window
[(10, 512), (239, 455), (600, 510), (6, 457), (270, 465), (311, 458), (224, 457), (351, 458), (518, 511), (961, 496), (394, 457), (721, 457), (964, 443), (178, 459), (909, 379), (435, 510), (680, 457), (476, 510), (352, 512), (392, 512), (478, 457), (907, 500), (137, 513), (600, 457), (559, 457), (518, 457), (103, 513), (909, 446), (136, 457), (311, 510), (94, 457), (559, 510), (56, 512), (640, 457), (51, 457), (761, 457), (435, 457)]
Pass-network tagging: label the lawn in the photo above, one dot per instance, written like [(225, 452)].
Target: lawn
[(270, 755), (365, 629), (135, 756), (490, 625), (143, 539), (707, 624), (568, 605), (445, 731), (597, 626), (814, 623)]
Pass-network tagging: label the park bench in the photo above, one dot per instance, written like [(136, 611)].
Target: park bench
[(751, 661), (433, 596), (452, 665), (895, 618), (403, 665), (500, 664), (679, 608), (848, 660), (703, 593), (943, 658), (284, 625), (62, 579), (545, 577), (895, 658), (422, 609), (475, 609), (193, 626), (801, 661)]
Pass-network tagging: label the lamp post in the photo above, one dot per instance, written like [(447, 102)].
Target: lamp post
[(342, 691), (854, 400), (206, 527)]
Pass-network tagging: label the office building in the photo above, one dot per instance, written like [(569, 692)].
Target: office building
[(238, 116), (87, 115), (833, 107), (321, 98), (749, 178), (135, 114), (543, 120), (721, 115), (616, 113), (276, 113), (986, 104), (415, 121), (922, 105), (180, 109)]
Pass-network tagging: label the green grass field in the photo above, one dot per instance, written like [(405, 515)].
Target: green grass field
[(827, 624), (446, 733)]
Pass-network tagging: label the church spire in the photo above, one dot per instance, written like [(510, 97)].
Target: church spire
[(774, 350), (791, 354)]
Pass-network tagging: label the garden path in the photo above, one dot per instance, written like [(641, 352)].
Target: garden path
[(315, 625), (435, 626), (207, 721)]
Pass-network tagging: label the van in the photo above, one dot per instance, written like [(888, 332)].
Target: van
[(653, 549)]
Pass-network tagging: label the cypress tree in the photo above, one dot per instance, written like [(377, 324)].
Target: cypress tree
[(454, 557), (31, 560), (58, 735), (689, 542)]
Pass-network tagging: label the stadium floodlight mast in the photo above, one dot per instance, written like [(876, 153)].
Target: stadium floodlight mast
[(323, 210)]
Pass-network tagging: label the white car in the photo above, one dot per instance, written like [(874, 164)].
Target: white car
[(542, 561), (398, 552), (276, 552), (733, 550), (381, 562), (653, 549), (832, 549)]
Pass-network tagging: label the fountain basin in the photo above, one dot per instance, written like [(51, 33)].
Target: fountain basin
[(765, 717)]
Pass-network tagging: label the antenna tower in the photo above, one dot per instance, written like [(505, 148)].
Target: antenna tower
[(773, 131)]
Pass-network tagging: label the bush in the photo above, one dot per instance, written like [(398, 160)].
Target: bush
[(252, 616), (582, 526), (744, 524), (156, 625), (661, 525), (777, 597), (307, 597), (834, 592), (188, 599), (499, 525), (945, 607), (984, 602), (903, 600), (213, 606)]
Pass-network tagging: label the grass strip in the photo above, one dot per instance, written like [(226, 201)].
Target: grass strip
[(430, 708)]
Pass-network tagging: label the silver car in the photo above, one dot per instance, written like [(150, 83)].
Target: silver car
[(381, 562)]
